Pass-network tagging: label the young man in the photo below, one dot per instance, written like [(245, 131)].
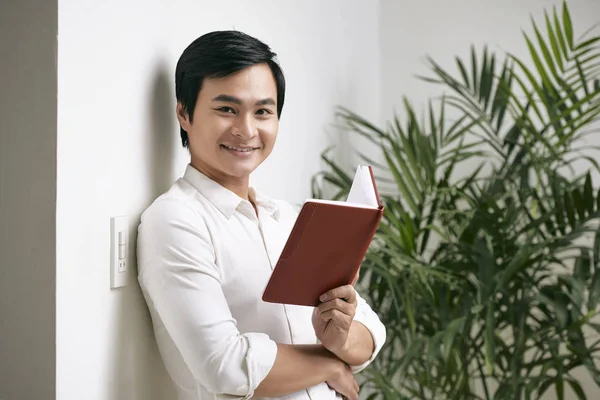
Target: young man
[(206, 248)]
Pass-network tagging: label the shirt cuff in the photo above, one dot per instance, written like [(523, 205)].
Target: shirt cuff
[(260, 358), (371, 321)]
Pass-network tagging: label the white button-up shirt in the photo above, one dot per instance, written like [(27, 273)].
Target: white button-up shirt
[(204, 260)]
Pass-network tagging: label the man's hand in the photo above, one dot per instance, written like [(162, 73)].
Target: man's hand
[(345, 384), (333, 317)]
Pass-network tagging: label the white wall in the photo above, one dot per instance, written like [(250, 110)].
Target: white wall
[(27, 199), (118, 148), (412, 30)]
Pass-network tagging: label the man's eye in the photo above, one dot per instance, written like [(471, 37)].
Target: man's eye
[(264, 111), (228, 110)]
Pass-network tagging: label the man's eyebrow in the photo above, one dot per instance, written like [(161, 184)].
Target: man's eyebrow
[(266, 102), (227, 99), (232, 99)]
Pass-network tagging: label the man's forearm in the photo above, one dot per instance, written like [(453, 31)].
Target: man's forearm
[(359, 345), (299, 367)]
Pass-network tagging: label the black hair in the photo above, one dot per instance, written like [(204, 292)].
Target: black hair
[(216, 55)]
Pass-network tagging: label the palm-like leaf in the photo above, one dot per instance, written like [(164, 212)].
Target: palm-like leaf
[(486, 278)]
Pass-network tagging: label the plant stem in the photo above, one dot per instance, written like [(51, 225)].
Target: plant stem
[(483, 379)]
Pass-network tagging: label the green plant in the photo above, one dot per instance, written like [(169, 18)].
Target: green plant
[(488, 281)]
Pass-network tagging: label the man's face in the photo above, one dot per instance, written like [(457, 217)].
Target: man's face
[(235, 123)]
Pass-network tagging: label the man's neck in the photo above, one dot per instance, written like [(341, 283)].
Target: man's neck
[(238, 186)]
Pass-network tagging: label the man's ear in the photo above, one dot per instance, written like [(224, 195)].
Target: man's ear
[(183, 117)]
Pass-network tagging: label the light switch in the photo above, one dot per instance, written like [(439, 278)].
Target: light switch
[(119, 252), (122, 252)]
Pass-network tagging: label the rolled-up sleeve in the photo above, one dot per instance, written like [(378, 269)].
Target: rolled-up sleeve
[(178, 271), (366, 316)]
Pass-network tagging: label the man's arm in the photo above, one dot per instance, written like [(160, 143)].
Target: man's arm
[(359, 346), (178, 273), (299, 367), (348, 327), (369, 321)]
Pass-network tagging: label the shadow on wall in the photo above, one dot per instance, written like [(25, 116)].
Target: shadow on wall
[(161, 143), (137, 370)]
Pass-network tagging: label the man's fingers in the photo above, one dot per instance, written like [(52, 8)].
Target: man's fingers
[(353, 396), (346, 292), (337, 304), (338, 316)]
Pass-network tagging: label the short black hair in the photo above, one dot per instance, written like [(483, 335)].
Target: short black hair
[(216, 55)]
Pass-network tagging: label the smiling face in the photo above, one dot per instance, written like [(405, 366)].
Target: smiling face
[(234, 125)]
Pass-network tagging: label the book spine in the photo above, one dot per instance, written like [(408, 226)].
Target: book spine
[(375, 187), (368, 242)]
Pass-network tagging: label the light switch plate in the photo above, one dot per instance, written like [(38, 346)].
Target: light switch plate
[(119, 266)]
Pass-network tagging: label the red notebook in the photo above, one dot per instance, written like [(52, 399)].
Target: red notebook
[(327, 244)]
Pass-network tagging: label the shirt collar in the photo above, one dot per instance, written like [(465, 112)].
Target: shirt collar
[(224, 199), (261, 200)]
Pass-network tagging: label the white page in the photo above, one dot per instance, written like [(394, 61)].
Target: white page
[(362, 190), (342, 203)]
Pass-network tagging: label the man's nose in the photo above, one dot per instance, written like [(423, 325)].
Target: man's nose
[(245, 127)]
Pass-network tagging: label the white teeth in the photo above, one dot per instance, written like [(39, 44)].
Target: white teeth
[(239, 148)]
